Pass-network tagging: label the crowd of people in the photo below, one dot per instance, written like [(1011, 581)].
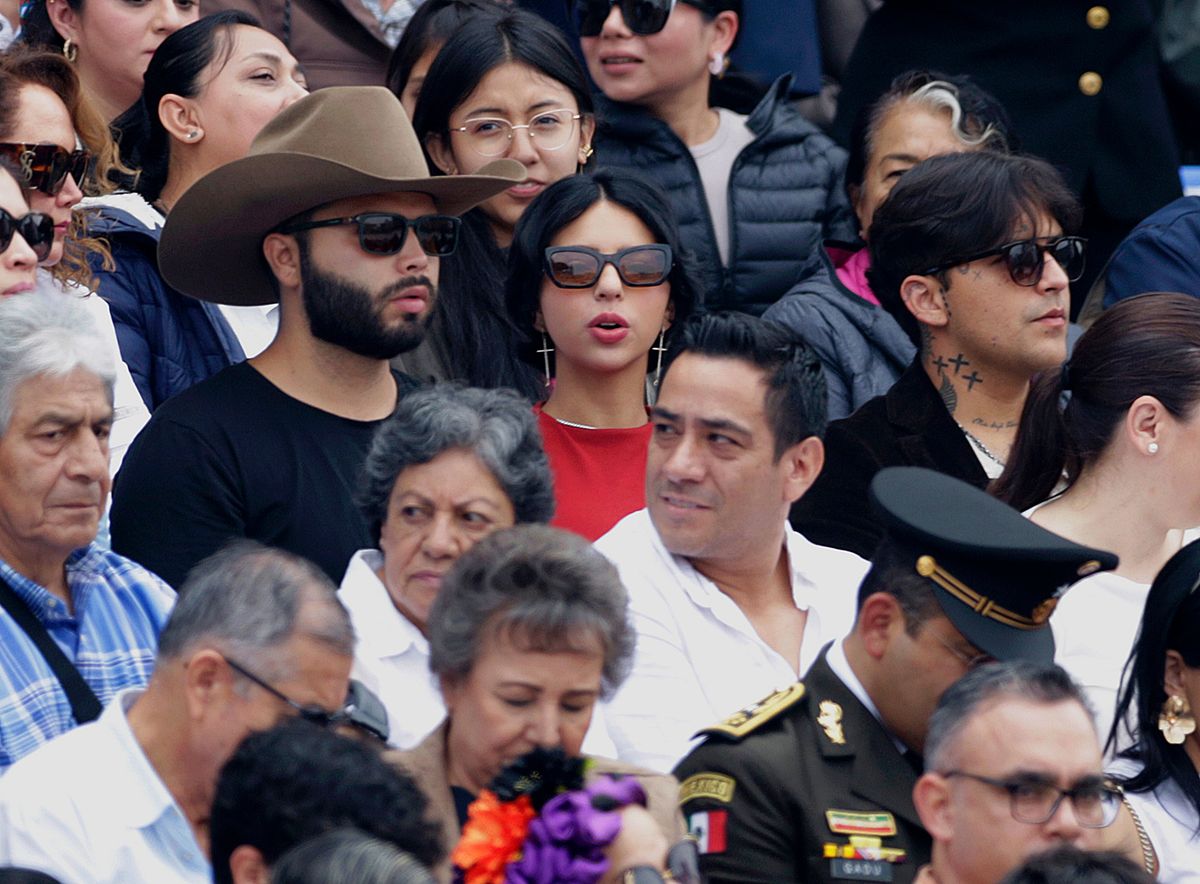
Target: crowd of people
[(467, 441)]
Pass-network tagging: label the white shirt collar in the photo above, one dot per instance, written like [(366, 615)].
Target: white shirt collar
[(144, 796), (382, 630), (840, 664)]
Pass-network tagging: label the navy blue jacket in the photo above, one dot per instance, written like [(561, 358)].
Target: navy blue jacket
[(169, 340), (785, 196), (1159, 255)]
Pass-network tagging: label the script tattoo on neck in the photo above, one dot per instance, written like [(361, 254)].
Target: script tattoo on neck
[(993, 425)]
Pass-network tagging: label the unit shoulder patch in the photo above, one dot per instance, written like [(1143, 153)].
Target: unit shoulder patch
[(715, 786), (746, 720)]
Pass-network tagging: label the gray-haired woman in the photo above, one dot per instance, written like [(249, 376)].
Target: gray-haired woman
[(530, 631), (452, 465)]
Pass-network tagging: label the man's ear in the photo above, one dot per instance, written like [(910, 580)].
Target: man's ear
[(283, 257), (924, 296), (879, 619), (802, 464), (246, 866), (931, 797), (207, 682)]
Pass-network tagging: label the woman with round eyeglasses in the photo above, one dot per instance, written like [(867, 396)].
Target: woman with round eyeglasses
[(1127, 442), (596, 280), (110, 42), (1159, 826), (503, 85), (41, 131)]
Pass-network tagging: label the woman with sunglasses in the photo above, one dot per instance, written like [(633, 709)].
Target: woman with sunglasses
[(1159, 826), (596, 280), (24, 235), (755, 195), (43, 119), (209, 89), (1126, 444), (110, 42), (503, 85)]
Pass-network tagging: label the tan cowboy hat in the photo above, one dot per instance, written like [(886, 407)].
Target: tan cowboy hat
[(336, 143)]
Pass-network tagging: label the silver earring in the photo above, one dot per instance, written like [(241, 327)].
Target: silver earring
[(193, 135), (1152, 448), (660, 348), (546, 351)]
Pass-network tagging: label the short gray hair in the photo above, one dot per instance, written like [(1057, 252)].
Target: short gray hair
[(982, 686), (348, 856), (48, 333), (246, 599), (497, 426), (549, 589)]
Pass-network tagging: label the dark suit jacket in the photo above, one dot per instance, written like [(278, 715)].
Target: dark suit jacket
[(907, 426), (789, 774)]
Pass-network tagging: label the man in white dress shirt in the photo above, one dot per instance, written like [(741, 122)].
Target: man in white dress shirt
[(729, 602), (257, 634)]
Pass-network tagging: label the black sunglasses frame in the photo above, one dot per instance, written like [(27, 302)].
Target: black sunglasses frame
[(419, 227), (1042, 246), (613, 258), (45, 167), (590, 15), (36, 228)]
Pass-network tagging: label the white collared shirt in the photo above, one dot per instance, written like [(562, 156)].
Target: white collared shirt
[(392, 656), (699, 658), (839, 664), (88, 808)]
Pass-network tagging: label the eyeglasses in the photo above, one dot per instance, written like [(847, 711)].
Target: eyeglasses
[(1026, 258), (308, 712), (383, 233), (492, 136), (578, 267), (1094, 801), (35, 228), (643, 17), (45, 167), (968, 660)]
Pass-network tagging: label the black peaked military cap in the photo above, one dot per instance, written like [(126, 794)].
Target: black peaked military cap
[(997, 575)]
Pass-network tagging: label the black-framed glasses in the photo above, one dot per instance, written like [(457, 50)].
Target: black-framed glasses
[(307, 711), (971, 661), (492, 136), (643, 17), (45, 167), (1094, 801), (1026, 258), (35, 228), (383, 233), (578, 267)]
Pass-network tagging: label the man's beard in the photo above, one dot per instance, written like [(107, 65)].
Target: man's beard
[(348, 315)]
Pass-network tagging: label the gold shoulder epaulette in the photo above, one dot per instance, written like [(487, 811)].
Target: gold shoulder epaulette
[(746, 720)]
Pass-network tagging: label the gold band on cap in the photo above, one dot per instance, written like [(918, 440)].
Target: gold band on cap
[(927, 566)]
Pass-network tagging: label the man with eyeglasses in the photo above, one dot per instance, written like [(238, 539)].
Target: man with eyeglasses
[(334, 215), (1013, 768), (815, 782), (972, 255), (257, 635)]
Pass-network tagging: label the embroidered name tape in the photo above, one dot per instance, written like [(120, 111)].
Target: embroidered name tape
[(716, 786)]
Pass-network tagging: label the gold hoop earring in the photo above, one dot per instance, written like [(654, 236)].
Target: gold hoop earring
[(70, 51), (1176, 720), (661, 348), (546, 351)]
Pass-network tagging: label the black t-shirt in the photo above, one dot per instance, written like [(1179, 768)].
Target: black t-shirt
[(235, 456)]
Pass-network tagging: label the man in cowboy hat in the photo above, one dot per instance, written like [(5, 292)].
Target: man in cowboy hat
[(334, 215)]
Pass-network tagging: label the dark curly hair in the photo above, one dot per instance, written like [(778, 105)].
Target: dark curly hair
[(297, 780)]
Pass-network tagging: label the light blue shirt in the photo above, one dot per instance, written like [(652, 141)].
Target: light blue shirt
[(89, 808)]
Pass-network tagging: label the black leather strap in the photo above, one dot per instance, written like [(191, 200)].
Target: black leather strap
[(85, 705)]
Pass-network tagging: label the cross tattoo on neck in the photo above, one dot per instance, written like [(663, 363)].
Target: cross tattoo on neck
[(972, 379), (959, 362), (941, 365)]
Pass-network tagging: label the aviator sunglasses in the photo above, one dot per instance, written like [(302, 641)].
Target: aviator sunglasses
[(383, 233), (1026, 258), (643, 17), (578, 267), (35, 228), (45, 167)]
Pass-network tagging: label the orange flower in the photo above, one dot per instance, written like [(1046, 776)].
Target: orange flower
[(492, 837)]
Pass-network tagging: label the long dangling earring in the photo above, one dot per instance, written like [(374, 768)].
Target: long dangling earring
[(70, 51), (1176, 720), (660, 348), (546, 351)]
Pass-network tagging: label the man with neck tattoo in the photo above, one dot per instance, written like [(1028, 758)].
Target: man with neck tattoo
[(973, 256)]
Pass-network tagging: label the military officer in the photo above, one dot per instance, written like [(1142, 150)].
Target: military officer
[(814, 783)]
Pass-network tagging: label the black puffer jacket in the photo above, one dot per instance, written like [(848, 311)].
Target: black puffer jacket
[(785, 196)]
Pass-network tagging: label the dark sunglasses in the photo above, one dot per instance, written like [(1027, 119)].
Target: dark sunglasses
[(1026, 258), (383, 233), (643, 17), (35, 228), (578, 267), (45, 167)]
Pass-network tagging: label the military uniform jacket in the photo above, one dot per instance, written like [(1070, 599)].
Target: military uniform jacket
[(814, 789)]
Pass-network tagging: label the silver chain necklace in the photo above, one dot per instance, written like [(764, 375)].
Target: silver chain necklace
[(979, 444)]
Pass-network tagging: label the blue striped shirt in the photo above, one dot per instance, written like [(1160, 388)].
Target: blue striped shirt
[(111, 636)]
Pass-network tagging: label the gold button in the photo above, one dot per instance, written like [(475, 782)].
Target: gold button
[(1090, 83), (1097, 18)]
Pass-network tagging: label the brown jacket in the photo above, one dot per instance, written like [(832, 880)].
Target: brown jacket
[(426, 764)]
